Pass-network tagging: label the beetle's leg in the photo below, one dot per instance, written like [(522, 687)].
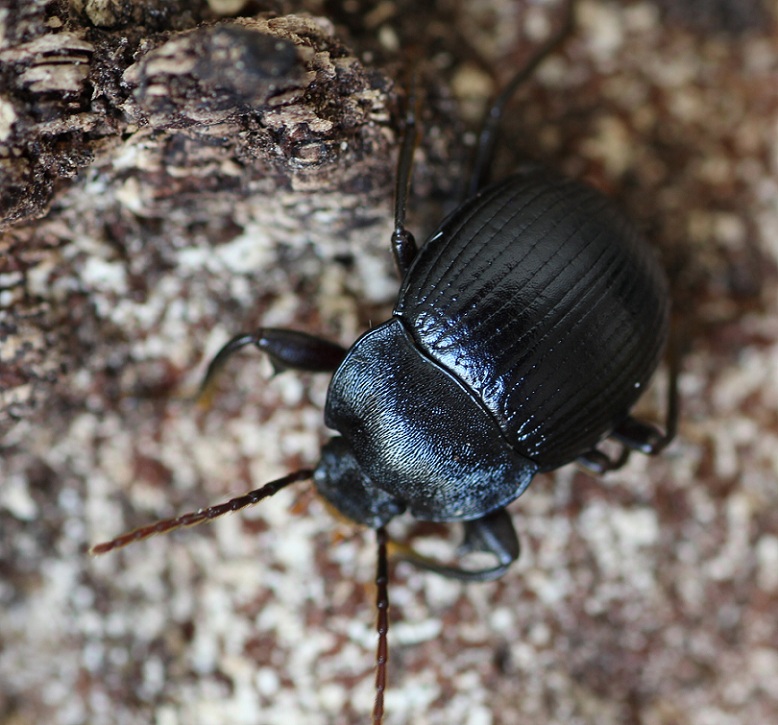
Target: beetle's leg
[(285, 348), (641, 436), (403, 243), (599, 462), (636, 435), (486, 139), (493, 533), (645, 437)]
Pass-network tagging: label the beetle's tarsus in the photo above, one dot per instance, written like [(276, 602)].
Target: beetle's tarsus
[(647, 438), (641, 436), (238, 342)]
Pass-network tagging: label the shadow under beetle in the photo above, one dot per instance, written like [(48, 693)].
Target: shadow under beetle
[(525, 329)]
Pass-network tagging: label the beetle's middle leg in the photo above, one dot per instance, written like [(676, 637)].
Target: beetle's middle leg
[(404, 246), (287, 349)]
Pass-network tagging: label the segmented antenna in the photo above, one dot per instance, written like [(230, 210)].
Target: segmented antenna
[(198, 517), (382, 625)]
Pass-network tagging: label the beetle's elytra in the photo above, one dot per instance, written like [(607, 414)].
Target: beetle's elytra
[(524, 331), (525, 328)]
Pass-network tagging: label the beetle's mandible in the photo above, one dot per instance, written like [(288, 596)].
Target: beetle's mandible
[(524, 331)]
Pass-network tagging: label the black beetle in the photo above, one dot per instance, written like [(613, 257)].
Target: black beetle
[(525, 329)]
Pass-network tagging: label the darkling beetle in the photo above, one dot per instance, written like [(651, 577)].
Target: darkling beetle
[(525, 329)]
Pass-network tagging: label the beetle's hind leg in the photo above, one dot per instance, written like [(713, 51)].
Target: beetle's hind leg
[(479, 175), (634, 435), (287, 349), (599, 462), (637, 435), (644, 437)]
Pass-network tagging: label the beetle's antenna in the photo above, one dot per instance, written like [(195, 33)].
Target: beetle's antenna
[(382, 625), (488, 135), (198, 517)]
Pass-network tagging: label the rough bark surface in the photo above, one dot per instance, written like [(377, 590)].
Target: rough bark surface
[(171, 129), (173, 172)]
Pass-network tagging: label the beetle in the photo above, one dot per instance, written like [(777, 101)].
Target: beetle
[(524, 331)]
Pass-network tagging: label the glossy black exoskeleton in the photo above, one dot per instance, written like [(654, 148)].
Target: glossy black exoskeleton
[(525, 329)]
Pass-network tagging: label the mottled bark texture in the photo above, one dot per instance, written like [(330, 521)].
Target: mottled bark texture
[(126, 125)]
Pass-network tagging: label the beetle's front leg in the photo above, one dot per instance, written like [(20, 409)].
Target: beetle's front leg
[(287, 349)]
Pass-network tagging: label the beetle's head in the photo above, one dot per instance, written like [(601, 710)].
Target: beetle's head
[(343, 484)]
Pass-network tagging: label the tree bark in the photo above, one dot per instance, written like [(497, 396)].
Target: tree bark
[(125, 145)]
